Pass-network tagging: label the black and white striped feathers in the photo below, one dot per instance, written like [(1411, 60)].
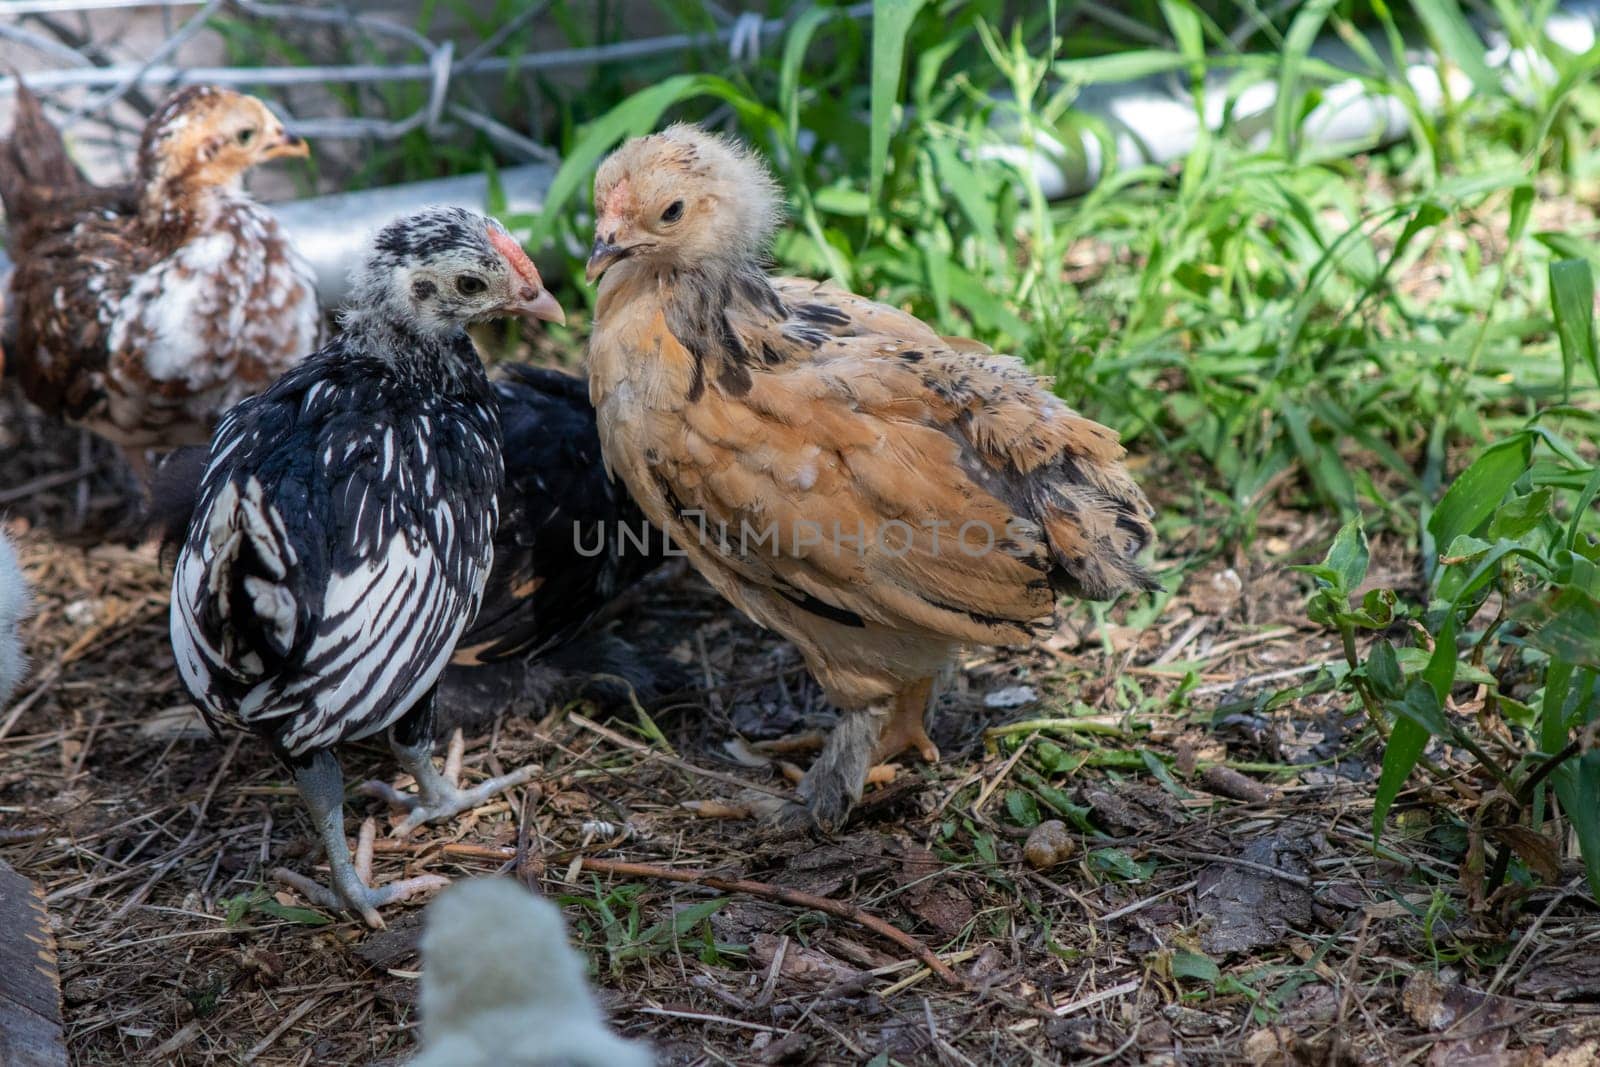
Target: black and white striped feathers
[(345, 521), (570, 537)]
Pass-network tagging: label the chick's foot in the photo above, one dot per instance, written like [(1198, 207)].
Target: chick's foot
[(352, 883), (438, 796), (905, 727), (834, 783), (321, 786)]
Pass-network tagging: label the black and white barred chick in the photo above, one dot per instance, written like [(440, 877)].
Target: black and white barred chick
[(344, 530)]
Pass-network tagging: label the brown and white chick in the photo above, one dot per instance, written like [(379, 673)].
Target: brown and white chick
[(501, 986), (144, 311), (878, 494)]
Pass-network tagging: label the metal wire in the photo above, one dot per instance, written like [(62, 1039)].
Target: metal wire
[(419, 59)]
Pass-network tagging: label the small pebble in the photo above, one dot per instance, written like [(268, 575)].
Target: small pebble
[(1048, 844), (1014, 696)]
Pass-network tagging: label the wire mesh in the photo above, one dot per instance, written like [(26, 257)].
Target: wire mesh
[(103, 65)]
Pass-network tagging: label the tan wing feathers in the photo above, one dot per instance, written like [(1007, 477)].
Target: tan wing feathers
[(860, 421)]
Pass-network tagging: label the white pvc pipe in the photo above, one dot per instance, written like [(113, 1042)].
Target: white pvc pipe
[(329, 230), (1154, 120)]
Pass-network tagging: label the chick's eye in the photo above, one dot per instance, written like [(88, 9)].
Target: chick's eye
[(674, 212), (245, 136), (470, 285)]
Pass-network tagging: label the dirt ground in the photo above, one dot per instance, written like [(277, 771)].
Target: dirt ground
[(1214, 895)]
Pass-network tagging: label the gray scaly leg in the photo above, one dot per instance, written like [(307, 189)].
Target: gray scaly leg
[(321, 786)]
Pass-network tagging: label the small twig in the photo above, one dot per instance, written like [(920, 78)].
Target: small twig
[(460, 849), (1270, 676), (46, 481), (1218, 650), (1072, 1007), (9, 836), (706, 1018), (1234, 861), (300, 1011), (216, 779), (672, 761), (1140, 905), (1173, 650)]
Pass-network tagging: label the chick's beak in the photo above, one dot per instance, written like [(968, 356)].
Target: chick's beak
[(538, 305), (601, 256), (284, 146), (530, 299)]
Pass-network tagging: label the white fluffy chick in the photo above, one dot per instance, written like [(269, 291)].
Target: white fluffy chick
[(14, 600), (501, 986)]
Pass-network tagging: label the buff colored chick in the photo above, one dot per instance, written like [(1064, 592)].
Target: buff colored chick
[(878, 494)]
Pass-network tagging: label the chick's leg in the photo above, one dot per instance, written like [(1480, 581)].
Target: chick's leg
[(321, 786), (439, 796), (904, 728), (834, 782)]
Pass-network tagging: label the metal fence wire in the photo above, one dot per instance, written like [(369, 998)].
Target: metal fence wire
[(102, 65)]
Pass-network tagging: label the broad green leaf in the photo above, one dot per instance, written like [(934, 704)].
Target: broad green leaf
[(1383, 670), (795, 44), (1196, 966), (1520, 515), (1120, 865), (1566, 626), (1302, 32), (686, 919), (1477, 492), (1349, 555), (1160, 772), (1119, 67), (1570, 246), (1415, 660), (638, 114), (1422, 707), (1591, 490), (1406, 742), (1377, 610), (1578, 786), (891, 21), (1023, 808), (1186, 28), (304, 916), (1440, 673), (1572, 300), (1447, 24)]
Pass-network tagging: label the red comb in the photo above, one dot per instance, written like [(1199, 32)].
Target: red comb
[(515, 256)]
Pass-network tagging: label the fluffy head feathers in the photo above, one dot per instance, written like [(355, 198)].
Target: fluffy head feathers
[(205, 137), (684, 198), (444, 267)]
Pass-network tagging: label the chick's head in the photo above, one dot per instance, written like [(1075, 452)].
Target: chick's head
[(683, 199), (444, 267), (206, 137)]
